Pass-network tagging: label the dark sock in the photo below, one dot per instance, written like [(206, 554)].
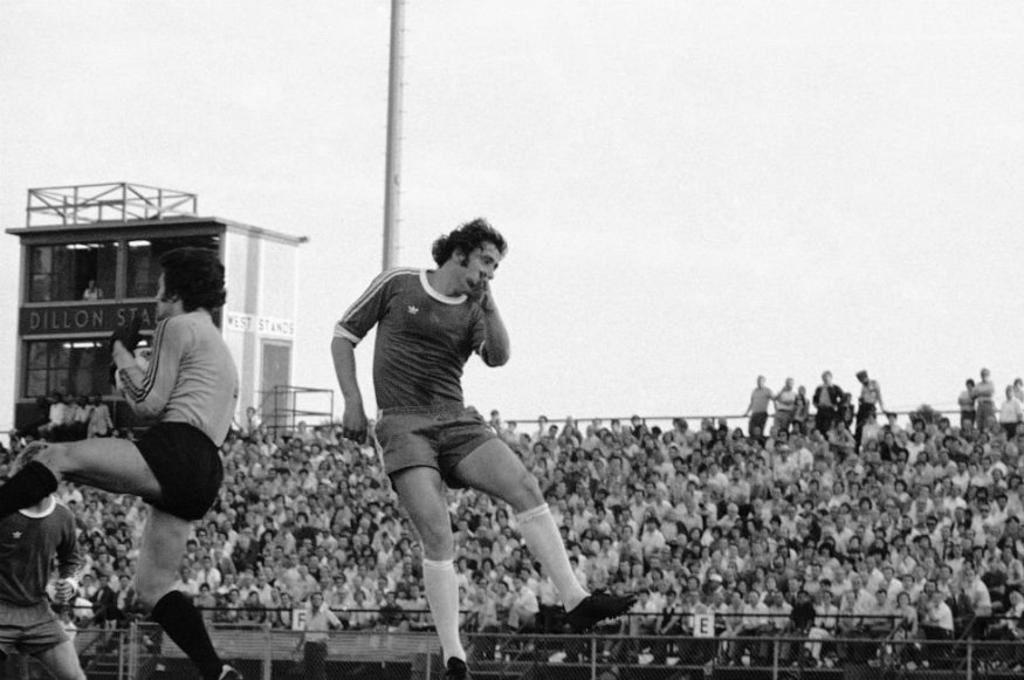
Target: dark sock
[(33, 483), (184, 624)]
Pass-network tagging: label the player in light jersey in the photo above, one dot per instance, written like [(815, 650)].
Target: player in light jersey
[(428, 325), (190, 389), (29, 540)]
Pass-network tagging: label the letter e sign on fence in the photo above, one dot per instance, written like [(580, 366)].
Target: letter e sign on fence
[(704, 625)]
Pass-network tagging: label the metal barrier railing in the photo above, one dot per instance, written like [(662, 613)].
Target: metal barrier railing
[(142, 652)]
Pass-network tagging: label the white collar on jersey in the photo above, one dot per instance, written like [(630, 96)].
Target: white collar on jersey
[(440, 297), (48, 509)]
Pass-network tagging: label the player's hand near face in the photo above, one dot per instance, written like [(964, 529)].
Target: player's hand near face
[(481, 294)]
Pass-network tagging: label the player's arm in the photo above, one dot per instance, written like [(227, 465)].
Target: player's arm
[(353, 421), (357, 321), (496, 347), (69, 560), (147, 391)]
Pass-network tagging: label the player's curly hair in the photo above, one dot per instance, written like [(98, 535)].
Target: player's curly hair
[(195, 275), (467, 238)]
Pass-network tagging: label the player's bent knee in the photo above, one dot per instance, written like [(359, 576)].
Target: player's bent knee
[(53, 456), (526, 493), (437, 544), (150, 592)]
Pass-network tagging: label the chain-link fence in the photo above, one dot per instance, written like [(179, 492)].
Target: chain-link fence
[(143, 652)]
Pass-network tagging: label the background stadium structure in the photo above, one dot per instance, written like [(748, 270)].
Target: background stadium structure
[(90, 262)]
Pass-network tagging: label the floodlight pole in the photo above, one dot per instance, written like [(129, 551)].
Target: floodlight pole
[(392, 163)]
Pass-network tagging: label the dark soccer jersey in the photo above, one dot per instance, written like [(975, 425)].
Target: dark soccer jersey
[(28, 542), (423, 341)]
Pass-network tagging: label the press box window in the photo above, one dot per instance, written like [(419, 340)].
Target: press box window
[(79, 368), (144, 260), (72, 271)]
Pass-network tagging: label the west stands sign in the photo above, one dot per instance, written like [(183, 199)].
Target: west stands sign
[(83, 318)]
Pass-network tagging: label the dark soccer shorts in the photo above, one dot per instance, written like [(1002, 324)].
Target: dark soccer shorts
[(31, 629), (436, 437), (187, 465)]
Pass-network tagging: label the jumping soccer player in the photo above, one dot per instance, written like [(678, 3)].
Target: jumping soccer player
[(190, 388), (29, 540), (429, 322)]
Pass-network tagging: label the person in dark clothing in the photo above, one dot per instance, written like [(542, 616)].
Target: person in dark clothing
[(827, 400), (801, 618)]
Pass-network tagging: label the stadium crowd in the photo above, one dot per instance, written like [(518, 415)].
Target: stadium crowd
[(830, 518)]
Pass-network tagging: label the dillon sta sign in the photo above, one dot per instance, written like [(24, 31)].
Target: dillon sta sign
[(83, 318)]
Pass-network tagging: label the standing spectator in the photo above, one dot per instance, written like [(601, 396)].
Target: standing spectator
[(100, 423), (968, 411), (319, 620), (252, 424), (977, 595), (985, 401), (757, 409), (81, 411), (1010, 413), (104, 602), (391, 613), (937, 622), (869, 404), (254, 611), (525, 607), (92, 292), (827, 400), (127, 598), (753, 623), (801, 409), (785, 406), (57, 416)]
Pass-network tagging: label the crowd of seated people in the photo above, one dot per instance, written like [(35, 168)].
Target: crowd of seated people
[(65, 417), (912, 532)]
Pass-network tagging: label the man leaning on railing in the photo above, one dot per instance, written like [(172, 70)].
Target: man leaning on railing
[(319, 620)]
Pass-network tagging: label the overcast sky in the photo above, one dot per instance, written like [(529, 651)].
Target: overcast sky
[(694, 193)]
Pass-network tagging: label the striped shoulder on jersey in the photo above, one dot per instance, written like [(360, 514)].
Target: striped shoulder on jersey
[(379, 282), (139, 393)]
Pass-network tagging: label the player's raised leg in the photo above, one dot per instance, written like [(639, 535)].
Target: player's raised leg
[(114, 465), (163, 544), (422, 494), (494, 469)]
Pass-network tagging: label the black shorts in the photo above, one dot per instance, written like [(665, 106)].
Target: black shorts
[(186, 464)]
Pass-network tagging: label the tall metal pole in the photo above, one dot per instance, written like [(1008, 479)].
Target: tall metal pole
[(393, 164)]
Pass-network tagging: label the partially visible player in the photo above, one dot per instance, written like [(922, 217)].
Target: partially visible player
[(190, 388), (428, 325), (29, 540)]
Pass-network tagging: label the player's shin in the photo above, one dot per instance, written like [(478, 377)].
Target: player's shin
[(184, 624), (540, 532)]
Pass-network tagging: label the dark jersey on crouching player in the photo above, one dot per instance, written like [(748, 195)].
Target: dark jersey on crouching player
[(29, 540)]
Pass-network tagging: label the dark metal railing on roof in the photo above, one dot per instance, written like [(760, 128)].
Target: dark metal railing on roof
[(84, 204)]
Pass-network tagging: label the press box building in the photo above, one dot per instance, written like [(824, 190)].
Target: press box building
[(90, 262)]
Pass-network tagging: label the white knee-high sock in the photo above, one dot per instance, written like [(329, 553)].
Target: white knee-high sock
[(541, 535), (442, 590)]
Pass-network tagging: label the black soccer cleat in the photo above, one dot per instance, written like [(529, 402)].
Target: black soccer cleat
[(596, 607), (229, 673), (456, 670)]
